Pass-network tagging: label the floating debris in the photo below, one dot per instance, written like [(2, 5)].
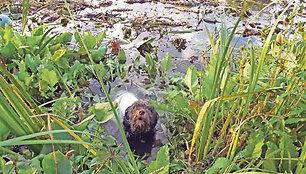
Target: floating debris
[(179, 43)]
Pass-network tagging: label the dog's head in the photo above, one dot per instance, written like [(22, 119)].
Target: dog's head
[(140, 118)]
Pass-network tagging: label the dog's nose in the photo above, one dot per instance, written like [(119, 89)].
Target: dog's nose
[(140, 118)]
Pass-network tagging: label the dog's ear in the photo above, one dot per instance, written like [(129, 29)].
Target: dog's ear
[(154, 116), (126, 121)]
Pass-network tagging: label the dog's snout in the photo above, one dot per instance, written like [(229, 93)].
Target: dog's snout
[(140, 118)]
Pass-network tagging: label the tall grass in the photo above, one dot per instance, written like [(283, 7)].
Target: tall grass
[(241, 98), (95, 70)]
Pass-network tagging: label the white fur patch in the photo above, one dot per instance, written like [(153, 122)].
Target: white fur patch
[(124, 101)]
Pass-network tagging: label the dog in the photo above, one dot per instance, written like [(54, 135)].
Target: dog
[(139, 119)]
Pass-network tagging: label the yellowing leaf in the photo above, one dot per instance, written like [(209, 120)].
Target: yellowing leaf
[(58, 54), (191, 78), (200, 121)]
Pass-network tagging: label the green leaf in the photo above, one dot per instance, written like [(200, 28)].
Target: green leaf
[(49, 76), (121, 55), (63, 167), (77, 69), (150, 61), (7, 52), (161, 164), (8, 34), (295, 120), (23, 74), (191, 78), (254, 147), (270, 164), (89, 40), (103, 112), (98, 55), (151, 65), (32, 62), (4, 132), (219, 166), (166, 62), (38, 30), (63, 38), (289, 150), (33, 41)]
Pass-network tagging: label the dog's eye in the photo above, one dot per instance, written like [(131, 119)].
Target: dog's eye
[(141, 112)]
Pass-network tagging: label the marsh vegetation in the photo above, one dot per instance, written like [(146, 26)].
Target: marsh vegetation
[(237, 105)]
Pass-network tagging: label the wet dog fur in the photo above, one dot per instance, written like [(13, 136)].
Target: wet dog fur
[(140, 119), (139, 123)]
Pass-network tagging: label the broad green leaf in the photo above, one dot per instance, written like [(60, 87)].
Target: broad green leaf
[(25, 168), (58, 54), (49, 76), (63, 167), (254, 147), (63, 38), (191, 78), (7, 51), (38, 30), (43, 86), (4, 132), (103, 112), (161, 165), (32, 62), (98, 55), (121, 55), (219, 166), (8, 34), (33, 41), (290, 62), (289, 150), (23, 74), (166, 62), (30, 170), (89, 40), (270, 164)]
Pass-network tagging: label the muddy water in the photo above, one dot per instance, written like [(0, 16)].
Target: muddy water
[(194, 42)]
